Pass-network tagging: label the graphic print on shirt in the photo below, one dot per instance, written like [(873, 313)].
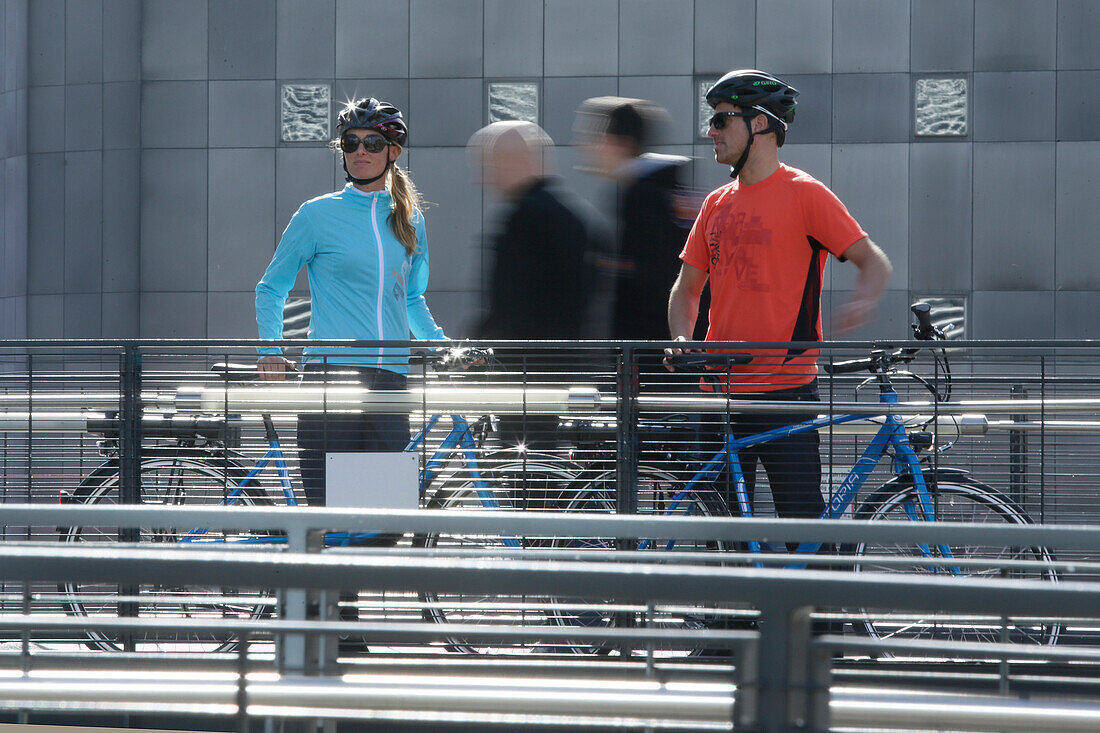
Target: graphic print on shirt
[(743, 234)]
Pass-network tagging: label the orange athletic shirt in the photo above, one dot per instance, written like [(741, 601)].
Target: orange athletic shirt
[(765, 246)]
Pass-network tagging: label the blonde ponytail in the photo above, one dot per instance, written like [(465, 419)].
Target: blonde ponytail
[(406, 204)]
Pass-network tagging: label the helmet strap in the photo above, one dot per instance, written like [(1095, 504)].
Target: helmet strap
[(736, 169), (363, 181)]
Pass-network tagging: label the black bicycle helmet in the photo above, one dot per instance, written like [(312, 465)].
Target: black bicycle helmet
[(373, 114), (751, 90)]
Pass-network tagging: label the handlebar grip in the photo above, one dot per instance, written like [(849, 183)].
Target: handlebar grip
[(700, 361), (848, 367), (923, 330)]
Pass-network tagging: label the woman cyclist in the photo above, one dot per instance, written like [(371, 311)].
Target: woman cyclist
[(366, 253)]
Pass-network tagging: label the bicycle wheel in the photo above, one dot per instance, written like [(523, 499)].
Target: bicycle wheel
[(658, 493), (169, 481), (515, 485), (956, 498)]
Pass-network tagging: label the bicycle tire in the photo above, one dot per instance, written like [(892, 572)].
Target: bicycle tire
[(659, 492), (167, 479), (956, 497), (515, 485)]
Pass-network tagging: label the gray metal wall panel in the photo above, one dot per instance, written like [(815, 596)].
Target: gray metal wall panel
[(445, 39), (83, 212), (83, 117), (122, 115), (122, 40), (83, 41), (242, 39), (241, 217), (372, 38), (513, 38), (172, 315), (454, 236), (873, 182), (1079, 105), (1012, 314), (46, 128), (45, 229), (582, 37), (305, 39), (173, 223), (121, 224), (942, 35), (461, 98), (940, 217), (174, 40), (655, 38), (46, 42), (875, 108), (870, 35), (1011, 35), (1078, 216), (794, 36), (1013, 216), (174, 114), (244, 114), (997, 114), (725, 35)]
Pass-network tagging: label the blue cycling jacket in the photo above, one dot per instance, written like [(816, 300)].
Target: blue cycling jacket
[(362, 283)]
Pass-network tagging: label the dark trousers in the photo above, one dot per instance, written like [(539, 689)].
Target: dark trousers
[(319, 434), (793, 464)]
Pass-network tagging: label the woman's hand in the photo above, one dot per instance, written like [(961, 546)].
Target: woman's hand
[(273, 368)]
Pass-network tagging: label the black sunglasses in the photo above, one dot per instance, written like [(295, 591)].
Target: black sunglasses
[(719, 119), (349, 143)]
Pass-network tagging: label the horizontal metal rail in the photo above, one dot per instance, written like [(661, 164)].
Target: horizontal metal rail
[(299, 521)]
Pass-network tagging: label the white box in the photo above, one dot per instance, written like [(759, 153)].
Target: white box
[(373, 480)]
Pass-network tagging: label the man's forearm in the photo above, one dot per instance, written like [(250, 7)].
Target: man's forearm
[(683, 312)]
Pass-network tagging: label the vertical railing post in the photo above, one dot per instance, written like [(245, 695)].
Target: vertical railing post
[(626, 466), (1017, 452), (130, 431), (129, 466)]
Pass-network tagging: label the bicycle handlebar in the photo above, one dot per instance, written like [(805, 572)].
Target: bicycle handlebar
[(923, 330), (702, 361)]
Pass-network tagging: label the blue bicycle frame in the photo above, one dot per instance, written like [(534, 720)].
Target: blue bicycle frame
[(891, 435), (459, 439)]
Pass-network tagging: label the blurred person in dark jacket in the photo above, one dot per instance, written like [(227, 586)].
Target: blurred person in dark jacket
[(543, 250), (654, 210)]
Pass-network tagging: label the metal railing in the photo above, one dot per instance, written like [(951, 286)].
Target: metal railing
[(579, 431), (778, 676)]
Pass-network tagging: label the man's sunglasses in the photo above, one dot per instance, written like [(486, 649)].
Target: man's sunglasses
[(349, 143), (718, 121)]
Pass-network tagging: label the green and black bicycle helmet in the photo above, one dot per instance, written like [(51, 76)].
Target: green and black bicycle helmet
[(369, 113), (750, 90)]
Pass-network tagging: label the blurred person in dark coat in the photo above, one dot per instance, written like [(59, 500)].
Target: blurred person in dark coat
[(543, 250), (654, 210)]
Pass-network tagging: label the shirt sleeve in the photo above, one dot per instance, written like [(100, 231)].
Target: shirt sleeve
[(827, 219), (296, 247), (696, 252), (421, 323)]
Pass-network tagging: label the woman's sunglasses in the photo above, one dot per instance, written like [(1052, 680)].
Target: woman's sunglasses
[(350, 142)]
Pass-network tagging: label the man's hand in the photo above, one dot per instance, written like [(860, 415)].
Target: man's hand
[(852, 315), (672, 351), (273, 368)]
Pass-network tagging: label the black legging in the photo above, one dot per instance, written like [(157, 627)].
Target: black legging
[(319, 434)]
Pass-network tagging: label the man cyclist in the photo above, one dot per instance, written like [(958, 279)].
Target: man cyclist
[(762, 242)]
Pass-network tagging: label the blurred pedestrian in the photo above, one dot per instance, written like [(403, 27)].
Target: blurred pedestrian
[(654, 210), (542, 269)]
